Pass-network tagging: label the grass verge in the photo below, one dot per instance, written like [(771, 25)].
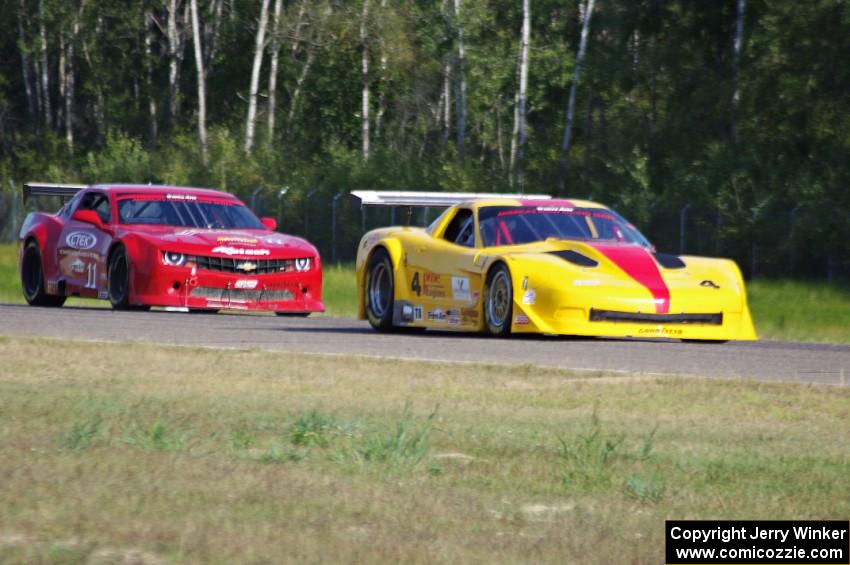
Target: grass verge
[(782, 309), (151, 453)]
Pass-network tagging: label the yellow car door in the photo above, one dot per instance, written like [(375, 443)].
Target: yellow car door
[(443, 274)]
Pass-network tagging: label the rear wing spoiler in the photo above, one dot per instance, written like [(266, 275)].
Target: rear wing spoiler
[(431, 199), (49, 189)]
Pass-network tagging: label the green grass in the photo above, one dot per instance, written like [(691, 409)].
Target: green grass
[(782, 309), (150, 453), (802, 311)]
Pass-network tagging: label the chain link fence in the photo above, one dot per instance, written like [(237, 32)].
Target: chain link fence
[(775, 241)]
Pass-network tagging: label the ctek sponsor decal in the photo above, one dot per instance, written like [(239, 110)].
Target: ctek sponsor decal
[(80, 240), (231, 251)]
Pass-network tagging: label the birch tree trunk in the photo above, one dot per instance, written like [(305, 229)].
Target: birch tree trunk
[(296, 93), (739, 44), (152, 109), (202, 90), (364, 62), (382, 95), (275, 52), (447, 96), (571, 104), (259, 48), (32, 105), (175, 54), (523, 87), (61, 69), (461, 77), (212, 32), (45, 69)]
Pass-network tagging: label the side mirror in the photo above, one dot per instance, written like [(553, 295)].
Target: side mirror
[(270, 223), (89, 217)]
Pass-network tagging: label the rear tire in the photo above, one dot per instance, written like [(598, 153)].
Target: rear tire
[(119, 280), (32, 278), (498, 301), (380, 291)]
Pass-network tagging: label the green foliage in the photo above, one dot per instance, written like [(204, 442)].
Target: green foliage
[(655, 127), (597, 459)]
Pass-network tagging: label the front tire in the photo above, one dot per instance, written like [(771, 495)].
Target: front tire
[(380, 291), (498, 301), (119, 279), (32, 278)]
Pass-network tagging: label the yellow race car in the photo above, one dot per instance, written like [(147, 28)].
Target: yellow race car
[(505, 264)]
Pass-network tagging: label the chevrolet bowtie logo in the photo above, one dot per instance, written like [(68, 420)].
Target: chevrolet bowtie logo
[(246, 266)]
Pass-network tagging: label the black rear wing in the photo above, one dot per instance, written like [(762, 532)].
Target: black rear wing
[(63, 191)]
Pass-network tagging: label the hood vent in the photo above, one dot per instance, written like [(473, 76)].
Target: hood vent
[(669, 261), (576, 258)]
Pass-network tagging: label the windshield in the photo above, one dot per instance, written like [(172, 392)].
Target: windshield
[(515, 225), (190, 212)]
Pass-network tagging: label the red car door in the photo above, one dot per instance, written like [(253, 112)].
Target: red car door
[(83, 245)]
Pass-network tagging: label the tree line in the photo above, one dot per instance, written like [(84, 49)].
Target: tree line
[(721, 126)]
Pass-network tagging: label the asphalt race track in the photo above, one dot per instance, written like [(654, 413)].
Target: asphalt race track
[(765, 360)]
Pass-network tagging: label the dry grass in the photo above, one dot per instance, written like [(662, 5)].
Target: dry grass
[(144, 453)]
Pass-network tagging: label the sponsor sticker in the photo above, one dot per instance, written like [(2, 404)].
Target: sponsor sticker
[(521, 320), (437, 315), (237, 239), (469, 316), (586, 282), (660, 330), (246, 283), (460, 289), (432, 285), (417, 313), (453, 316), (231, 251), (529, 296), (181, 197), (80, 240), (78, 266)]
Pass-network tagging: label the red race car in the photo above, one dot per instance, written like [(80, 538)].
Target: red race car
[(185, 248)]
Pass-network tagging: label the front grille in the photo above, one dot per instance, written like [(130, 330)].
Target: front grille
[(612, 316), (244, 266), (242, 295)]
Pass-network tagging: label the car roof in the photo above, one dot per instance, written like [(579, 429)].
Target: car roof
[(163, 189), (554, 202)]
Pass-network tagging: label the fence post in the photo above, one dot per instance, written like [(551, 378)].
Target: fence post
[(683, 214), (254, 198), (15, 211), (307, 198), (280, 194), (334, 215), (791, 248)]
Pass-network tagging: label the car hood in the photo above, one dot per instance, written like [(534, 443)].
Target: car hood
[(615, 265), (228, 243)]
